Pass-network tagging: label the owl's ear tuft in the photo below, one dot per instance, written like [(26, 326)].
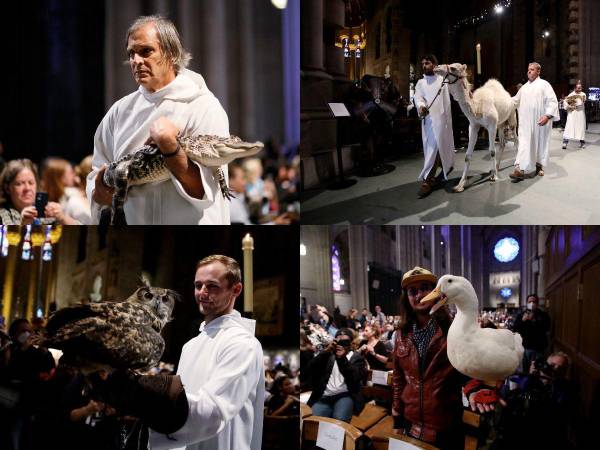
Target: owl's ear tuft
[(144, 282), (175, 295)]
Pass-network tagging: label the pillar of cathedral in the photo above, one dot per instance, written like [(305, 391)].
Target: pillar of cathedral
[(315, 266), (454, 250), (573, 40), (527, 276), (317, 126), (541, 253), (436, 263), (8, 286), (359, 277), (407, 247), (333, 21)]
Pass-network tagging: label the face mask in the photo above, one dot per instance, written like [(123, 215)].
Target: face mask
[(22, 338), (530, 306)]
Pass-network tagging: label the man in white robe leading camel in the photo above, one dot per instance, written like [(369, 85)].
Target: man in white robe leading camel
[(433, 104), (538, 108)]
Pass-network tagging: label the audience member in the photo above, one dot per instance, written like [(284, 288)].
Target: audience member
[(338, 373)]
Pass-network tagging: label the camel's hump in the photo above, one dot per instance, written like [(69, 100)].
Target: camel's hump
[(492, 83)]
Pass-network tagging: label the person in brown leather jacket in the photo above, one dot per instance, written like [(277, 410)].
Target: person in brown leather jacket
[(426, 388)]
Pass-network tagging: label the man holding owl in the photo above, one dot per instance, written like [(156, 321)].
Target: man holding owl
[(216, 399), (221, 369)]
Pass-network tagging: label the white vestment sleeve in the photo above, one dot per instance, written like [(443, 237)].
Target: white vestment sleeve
[(551, 103), (517, 98), (102, 155), (419, 96), (235, 376)]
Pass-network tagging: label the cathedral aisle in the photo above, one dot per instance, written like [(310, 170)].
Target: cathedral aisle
[(567, 194)]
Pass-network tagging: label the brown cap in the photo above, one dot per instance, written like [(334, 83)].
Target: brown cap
[(418, 274)]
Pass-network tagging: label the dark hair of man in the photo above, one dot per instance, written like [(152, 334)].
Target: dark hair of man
[(430, 57), (12, 330)]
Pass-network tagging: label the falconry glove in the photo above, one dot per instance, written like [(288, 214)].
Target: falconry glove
[(159, 400)]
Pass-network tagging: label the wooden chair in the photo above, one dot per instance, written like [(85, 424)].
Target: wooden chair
[(280, 431), (381, 441), (369, 416), (310, 429), (305, 410), (473, 420), (384, 426)]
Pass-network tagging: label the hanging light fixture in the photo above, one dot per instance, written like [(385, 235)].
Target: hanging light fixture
[(37, 236), (27, 253), (279, 4), (47, 248), (4, 241), (56, 233), (13, 235)]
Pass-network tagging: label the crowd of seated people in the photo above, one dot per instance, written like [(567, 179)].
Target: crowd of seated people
[(264, 193), (337, 350), (265, 190), (20, 183)]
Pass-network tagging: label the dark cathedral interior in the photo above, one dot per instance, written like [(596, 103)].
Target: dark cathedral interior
[(353, 277), (367, 55), (45, 270)]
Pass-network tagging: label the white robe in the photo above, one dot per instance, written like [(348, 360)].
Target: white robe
[(535, 99), (575, 127), (436, 128), (75, 205), (222, 372), (188, 103)]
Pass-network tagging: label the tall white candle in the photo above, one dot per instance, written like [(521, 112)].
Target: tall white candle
[(248, 247), (478, 47)]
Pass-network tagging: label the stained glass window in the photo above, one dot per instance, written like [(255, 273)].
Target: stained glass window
[(506, 249)]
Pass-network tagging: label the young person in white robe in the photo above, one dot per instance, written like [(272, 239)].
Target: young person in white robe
[(538, 108), (436, 127), (574, 104), (170, 99), (221, 369)]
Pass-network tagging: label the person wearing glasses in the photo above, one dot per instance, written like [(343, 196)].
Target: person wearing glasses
[(426, 388)]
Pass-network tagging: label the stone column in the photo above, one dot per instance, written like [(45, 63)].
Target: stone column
[(574, 43), (315, 266), (311, 32), (334, 11), (317, 126), (359, 277), (542, 236), (454, 250), (407, 247)]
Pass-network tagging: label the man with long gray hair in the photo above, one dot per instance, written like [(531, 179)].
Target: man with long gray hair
[(170, 100)]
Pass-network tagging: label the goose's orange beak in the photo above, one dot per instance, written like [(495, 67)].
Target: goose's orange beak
[(434, 295)]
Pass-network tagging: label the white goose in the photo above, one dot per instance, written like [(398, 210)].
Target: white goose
[(481, 353)]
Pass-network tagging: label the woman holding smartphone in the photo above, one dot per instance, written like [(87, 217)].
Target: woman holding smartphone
[(19, 183)]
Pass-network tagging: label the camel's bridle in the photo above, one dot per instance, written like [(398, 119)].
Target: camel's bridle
[(444, 81)]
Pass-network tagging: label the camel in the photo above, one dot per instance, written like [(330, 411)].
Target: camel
[(490, 107)]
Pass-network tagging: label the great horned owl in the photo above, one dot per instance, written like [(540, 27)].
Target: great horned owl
[(117, 335)]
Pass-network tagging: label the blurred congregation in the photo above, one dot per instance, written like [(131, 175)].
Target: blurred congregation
[(373, 359), (54, 110), (46, 403)]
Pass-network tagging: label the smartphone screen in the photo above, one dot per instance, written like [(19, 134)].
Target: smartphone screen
[(41, 200)]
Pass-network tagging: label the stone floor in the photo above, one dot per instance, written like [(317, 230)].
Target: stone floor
[(569, 193)]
